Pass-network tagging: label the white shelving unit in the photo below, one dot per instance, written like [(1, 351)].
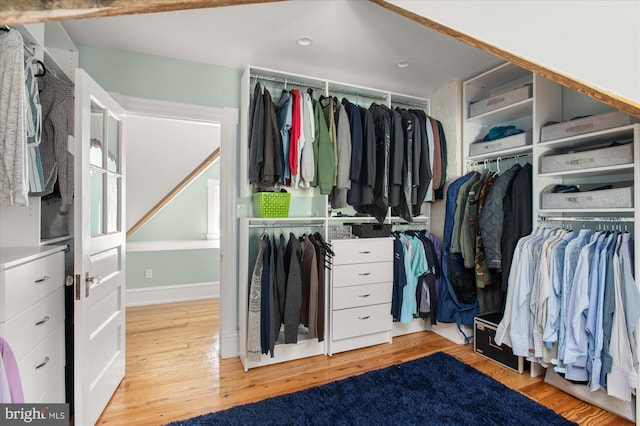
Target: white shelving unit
[(21, 226), (550, 102), (309, 210)]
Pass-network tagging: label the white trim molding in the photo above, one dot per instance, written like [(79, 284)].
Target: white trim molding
[(172, 293), (171, 245)]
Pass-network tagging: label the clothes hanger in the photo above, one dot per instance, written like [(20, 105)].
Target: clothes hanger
[(44, 69), (497, 166)]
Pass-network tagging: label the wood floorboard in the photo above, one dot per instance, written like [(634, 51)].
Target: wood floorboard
[(174, 370)]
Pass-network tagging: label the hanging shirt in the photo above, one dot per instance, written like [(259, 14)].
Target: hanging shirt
[(417, 267), (33, 123), (254, 344), (12, 372), (284, 118), (307, 155), (14, 184), (343, 144), (296, 131)]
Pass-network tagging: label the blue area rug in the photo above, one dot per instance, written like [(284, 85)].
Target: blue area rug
[(435, 390)]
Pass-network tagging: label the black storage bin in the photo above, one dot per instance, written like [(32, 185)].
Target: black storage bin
[(371, 230), (484, 327)]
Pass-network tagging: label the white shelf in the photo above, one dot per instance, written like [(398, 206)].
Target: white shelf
[(623, 133), (498, 76), (585, 212), (503, 153), (592, 171)]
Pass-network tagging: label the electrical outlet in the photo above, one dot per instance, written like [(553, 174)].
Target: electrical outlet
[(148, 273)]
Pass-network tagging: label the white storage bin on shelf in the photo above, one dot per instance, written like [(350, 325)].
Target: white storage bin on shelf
[(618, 197), (589, 158), (500, 100), (589, 124), (497, 145)]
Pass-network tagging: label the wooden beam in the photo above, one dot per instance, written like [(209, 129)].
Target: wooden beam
[(25, 12), (616, 101), (174, 192)]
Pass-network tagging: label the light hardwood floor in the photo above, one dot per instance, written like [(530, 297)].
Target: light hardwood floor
[(174, 370)]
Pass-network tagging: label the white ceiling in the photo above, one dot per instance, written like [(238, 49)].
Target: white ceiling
[(355, 41)]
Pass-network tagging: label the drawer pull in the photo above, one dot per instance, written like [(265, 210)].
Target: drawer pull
[(364, 318), (364, 252), (45, 362), (364, 295), (43, 279), (364, 274), (43, 320)]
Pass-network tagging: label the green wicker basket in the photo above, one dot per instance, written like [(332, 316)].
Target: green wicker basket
[(271, 204)]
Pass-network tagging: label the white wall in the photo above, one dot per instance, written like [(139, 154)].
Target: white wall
[(595, 41), (177, 145)]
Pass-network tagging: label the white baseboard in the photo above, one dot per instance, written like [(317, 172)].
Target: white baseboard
[(172, 293)]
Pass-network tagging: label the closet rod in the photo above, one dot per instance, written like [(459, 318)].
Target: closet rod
[(285, 81), (410, 104), (286, 225), (500, 158), (584, 219), (357, 93)]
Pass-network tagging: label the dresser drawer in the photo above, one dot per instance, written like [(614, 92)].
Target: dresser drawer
[(364, 273), (55, 393), (363, 250), (23, 285), (42, 365), (355, 322), (361, 295), (30, 326)]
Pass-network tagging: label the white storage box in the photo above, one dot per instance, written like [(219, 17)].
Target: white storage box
[(579, 126), (620, 196), (500, 100), (513, 141), (601, 157)]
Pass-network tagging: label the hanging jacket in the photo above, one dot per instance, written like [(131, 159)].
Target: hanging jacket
[(343, 143), (396, 157), (284, 117), (382, 122), (439, 193), (368, 168), (271, 167), (256, 135), (450, 307), (518, 218), (404, 209), (424, 171), (492, 218), (354, 196), (325, 169), (293, 298)]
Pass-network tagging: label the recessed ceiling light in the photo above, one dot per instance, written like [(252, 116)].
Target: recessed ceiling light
[(304, 41), (403, 64)]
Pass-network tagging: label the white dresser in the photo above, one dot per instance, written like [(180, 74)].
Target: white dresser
[(360, 293), (32, 318)]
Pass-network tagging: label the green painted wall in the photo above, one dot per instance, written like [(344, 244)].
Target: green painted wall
[(185, 218), (172, 267), (156, 77)]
